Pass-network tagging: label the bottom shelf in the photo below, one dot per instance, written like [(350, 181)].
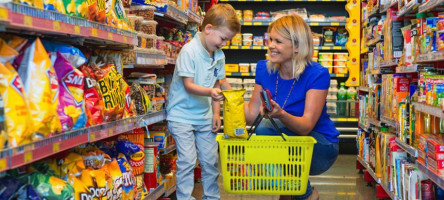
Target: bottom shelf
[(161, 191), (378, 180)]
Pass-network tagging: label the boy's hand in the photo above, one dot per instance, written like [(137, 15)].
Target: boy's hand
[(216, 94), (216, 123)]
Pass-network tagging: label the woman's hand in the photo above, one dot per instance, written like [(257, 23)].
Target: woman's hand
[(277, 111)]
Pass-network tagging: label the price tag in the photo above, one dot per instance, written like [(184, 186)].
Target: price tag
[(247, 23), (77, 30), (94, 32), (245, 47), (125, 39), (227, 73), (337, 48), (27, 20), (257, 47), (126, 126), (245, 74), (314, 24), (335, 23), (234, 47), (56, 25), (3, 164), (3, 14), (110, 36), (257, 23), (56, 147), (110, 132), (92, 137), (28, 156)]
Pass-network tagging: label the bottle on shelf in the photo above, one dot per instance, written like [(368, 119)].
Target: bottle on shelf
[(351, 102), (342, 98)]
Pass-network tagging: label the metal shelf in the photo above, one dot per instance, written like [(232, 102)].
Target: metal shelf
[(28, 153), (432, 110), (375, 122), (365, 128), (156, 193), (369, 169), (172, 13), (241, 74), (41, 22), (407, 69), (283, 0), (193, 17), (384, 8), (144, 58), (265, 47), (169, 149), (363, 88), (170, 191), (431, 57), (373, 42), (432, 176), (389, 64), (412, 5), (344, 119), (389, 122), (266, 23), (429, 5), (409, 149)]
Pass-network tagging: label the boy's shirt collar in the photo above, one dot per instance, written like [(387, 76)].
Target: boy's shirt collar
[(218, 54)]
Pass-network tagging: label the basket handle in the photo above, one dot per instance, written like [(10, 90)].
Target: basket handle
[(258, 120)]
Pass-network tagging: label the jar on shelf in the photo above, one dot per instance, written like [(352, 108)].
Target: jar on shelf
[(160, 43), (141, 39), (148, 27), (147, 12), (151, 41)]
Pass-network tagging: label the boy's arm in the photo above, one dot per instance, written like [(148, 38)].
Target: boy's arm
[(216, 112), (195, 89), (224, 85)]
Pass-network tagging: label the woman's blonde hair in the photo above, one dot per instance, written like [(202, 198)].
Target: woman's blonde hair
[(295, 29), (222, 15)]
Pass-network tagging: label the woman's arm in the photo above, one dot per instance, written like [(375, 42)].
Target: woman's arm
[(252, 109), (314, 103)]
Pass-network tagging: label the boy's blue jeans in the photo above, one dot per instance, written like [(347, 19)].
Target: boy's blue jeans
[(324, 151), (190, 138)]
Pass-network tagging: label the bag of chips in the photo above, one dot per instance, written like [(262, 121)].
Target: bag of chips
[(81, 191), (234, 115), (101, 14), (41, 88), (94, 158), (109, 82), (112, 169), (93, 99), (17, 116), (7, 53), (95, 181), (71, 106), (70, 53), (140, 99), (51, 187), (129, 182), (9, 187)]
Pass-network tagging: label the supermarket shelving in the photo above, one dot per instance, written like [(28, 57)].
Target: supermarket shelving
[(283, 0), (266, 23), (144, 59), (389, 64), (429, 5), (431, 57), (412, 5), (384, 8), (266, 48), (82, 30), (173, 14), (391, 195), (193, 17), (169, 149), (338, 75), (28, 153), (156, 193), (431, 175), (373, 42), (407, 69), (389, 122), (364, 127), (375, 122), (409, 149), (252, 74), (432, 110), (369, 169), (363, 88), (170, 190), (344, 119)]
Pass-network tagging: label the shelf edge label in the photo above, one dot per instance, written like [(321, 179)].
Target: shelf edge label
[(56, 147), (27, 20), (3, 16), (28, 157), (77, 30), (3, 164)]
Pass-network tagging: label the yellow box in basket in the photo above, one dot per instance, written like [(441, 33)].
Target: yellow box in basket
[(340, 70), (231, 68)]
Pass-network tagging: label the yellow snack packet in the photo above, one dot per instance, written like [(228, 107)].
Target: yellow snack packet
[(234, 114), (17, 115), (95, 181), (7, 53)]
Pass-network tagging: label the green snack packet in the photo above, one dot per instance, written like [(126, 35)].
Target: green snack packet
[(51, 187)]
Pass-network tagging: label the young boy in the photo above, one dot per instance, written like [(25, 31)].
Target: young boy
[(195, 95)]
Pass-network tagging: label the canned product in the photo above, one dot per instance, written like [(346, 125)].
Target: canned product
[(150, 175)]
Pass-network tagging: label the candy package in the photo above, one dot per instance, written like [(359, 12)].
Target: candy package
[(51, 187), (71, 105), (92, 97), (72, 54), (112, 94), (129, 181), (41, 88), (113, 172), (54, 5), (93, 10), (15, 42), (234, 118), (17, 116)]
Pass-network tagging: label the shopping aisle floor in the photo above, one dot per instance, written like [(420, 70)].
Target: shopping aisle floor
[(341, 182)]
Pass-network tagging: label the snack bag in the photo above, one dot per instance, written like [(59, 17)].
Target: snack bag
[(41, 88), (16, 42), (93, 99), (234, 117), (110, 88), (95, 181), (17, 116), (71, 106), (129, 181), (110, 15), (128, 112), (93, 10), (94, 158), (73, 164), (101, 14), (140, 99), (51, 187), (7, 53), (82, 8), (70, 53), (112, 169), (81, 191), (70, 7)]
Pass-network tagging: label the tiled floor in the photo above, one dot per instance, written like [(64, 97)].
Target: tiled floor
[(341, 182)]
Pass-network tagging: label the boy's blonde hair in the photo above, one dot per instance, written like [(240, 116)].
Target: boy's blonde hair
[(221, 15), (295, 29)]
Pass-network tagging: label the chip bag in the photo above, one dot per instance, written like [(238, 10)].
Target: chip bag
[(7, 53), (41, 88), (95, 181), (234, 114), (129, 181), (140, 99), (51, 187), (81, 191), (113, 96), (112, 170), (94, 158), (93, 98), (71, 106), (101, 14), (17, 116), (70, 53)]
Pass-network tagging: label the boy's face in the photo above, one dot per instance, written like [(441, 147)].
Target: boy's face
[(216, 38)]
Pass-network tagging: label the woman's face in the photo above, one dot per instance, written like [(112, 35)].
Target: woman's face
[(281, 49)]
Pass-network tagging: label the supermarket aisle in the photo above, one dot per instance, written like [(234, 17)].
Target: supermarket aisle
[(341, 182)]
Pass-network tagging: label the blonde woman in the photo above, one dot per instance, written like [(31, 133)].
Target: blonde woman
[(299, 89)]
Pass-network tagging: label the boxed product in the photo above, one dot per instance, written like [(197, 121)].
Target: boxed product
[(436, 166), (253, 67), (341, 70), (258, 41), (244, 67), (434, 146), (247, 42), (326, 56), (249, 83), (239, 14), (340, 56), (237, 40), (247, 36), (231, 68), (326, 63), (339, 63), (248, 15), (236, 83), (148, 27)]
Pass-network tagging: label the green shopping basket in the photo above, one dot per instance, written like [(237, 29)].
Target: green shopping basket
[(266, 164)]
